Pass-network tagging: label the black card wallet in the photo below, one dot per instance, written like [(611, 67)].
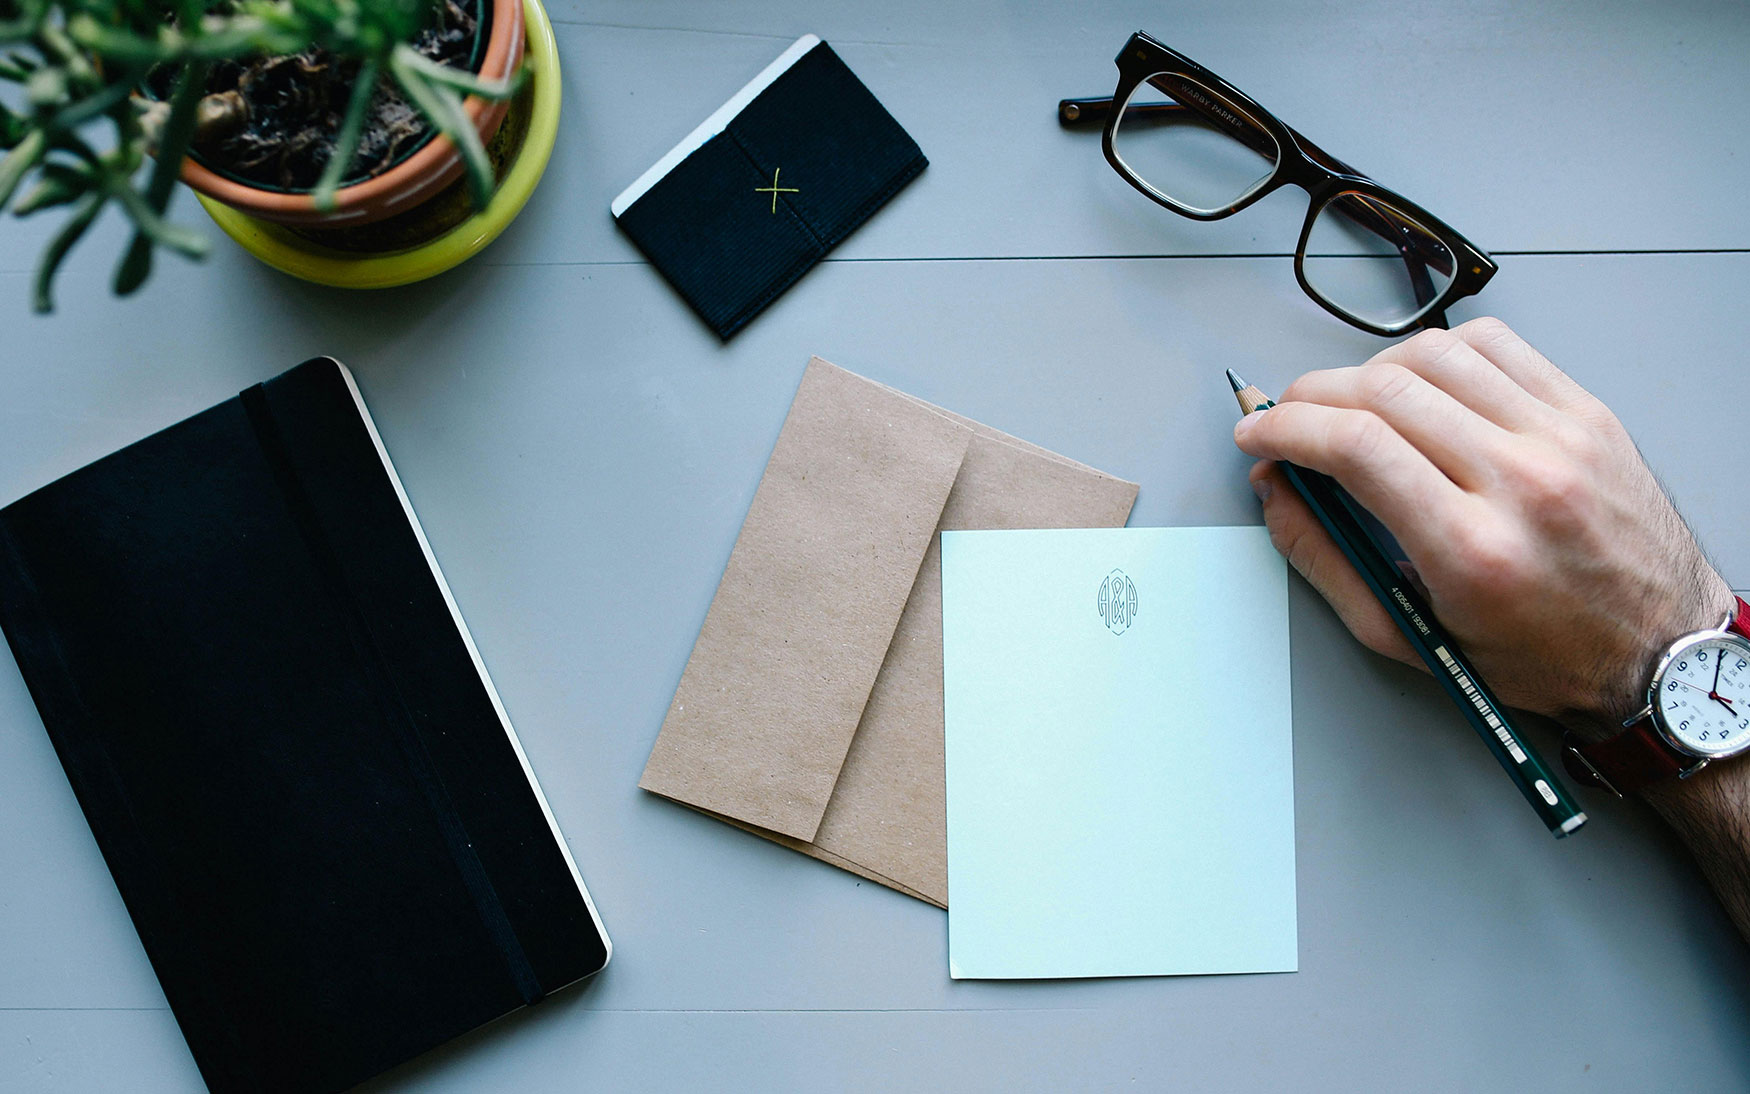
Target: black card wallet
[(760, 192), (287, 747)]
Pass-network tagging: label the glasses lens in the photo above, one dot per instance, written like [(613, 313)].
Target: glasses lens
[(1192, 146), (1367, 257)]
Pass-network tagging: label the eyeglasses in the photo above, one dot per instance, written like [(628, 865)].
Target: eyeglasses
[(1201, 147)]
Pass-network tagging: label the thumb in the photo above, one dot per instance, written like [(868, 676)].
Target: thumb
[(1301, 539)]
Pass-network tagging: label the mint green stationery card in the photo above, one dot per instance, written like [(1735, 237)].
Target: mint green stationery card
[(1120, 755)]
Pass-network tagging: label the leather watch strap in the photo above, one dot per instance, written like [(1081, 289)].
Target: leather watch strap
[(1634, 758), (1637, 756)]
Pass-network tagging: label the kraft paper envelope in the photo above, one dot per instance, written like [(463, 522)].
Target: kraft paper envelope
[(810, 711)]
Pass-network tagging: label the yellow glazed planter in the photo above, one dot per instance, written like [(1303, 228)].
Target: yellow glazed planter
[(304, 258)]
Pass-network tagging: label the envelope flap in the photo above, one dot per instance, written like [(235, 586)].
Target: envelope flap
[(888, 817), (807, 607)]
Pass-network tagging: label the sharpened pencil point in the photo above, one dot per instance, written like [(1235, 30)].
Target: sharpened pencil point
[(1250, 398)]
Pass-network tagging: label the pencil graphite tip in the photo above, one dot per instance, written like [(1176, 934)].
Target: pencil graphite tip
[(1234, 379)]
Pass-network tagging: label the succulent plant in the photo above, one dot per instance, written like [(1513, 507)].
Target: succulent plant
[(82, 68)]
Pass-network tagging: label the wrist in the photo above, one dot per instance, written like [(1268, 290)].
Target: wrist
[(1623, 690), (1719, 789)]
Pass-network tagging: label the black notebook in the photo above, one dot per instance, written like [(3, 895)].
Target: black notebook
[(767, 185), (287, 746)]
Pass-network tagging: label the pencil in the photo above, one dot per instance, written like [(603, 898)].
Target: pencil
[(1341, 516)]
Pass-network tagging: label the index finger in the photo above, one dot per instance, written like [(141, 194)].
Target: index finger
[(1379, 468)]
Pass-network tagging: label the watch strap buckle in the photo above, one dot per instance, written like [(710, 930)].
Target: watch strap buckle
[(1583, 770)]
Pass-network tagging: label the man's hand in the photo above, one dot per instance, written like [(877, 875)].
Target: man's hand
[(1543, 541), (1541, 538)]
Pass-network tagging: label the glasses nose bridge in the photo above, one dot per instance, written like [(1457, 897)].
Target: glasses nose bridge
[(1296, 167)]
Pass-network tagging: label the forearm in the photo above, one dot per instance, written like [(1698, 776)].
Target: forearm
[(1710, 812)]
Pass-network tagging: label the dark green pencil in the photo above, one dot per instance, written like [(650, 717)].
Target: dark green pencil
[(1341, 516)]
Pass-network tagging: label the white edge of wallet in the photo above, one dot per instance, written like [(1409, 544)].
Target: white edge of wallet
[(713, 125), (474, 655)]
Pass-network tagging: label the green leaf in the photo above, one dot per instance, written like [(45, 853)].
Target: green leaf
[(24, 28), (46, 87), (21, 159), (185, 241), (346, 142), (468, 83), (60, 184), (118, 45), (239, 36), (77, 221), (444, 109), (136, 263), (65, 52), (76, 114)]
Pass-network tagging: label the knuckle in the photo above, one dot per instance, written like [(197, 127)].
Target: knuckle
[(1433, 354), (1558, 491), (1384, 383), (1298, 391), (1358, 440), (1606, 425), (1488, 559), (1555, 488), (1296, 542), (1372, 630), (1587, 444), (1485, 329), (1586, 439), (1427, 347), (1284, 537)]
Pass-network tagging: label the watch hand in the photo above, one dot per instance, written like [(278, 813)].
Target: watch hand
[(1727, 703), (1697, 687), (1719, 663)]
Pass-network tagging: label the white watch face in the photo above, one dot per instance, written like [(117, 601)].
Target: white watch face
[(1703, 699)]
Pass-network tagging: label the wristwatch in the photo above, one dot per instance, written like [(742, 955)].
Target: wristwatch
[(1698, 711)]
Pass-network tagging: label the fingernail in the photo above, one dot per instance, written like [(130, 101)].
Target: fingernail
[(1262, 488), (1244, 425)]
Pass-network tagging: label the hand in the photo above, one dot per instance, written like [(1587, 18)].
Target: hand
[(1543, 542)]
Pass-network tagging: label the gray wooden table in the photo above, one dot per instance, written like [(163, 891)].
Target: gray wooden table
[(581, 451)]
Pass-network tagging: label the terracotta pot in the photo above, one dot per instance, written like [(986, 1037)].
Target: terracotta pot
[(526, 140), (414, 179)]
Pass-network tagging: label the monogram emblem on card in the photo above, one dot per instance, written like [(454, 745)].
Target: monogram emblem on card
[(1117, 601)]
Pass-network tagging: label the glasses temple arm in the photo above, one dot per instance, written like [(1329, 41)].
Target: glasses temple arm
[(1080, 112), (1076, 112), (1087, 112)]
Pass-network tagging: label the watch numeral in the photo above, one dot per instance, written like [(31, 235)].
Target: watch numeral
[(1672, 686), (1681, 665)]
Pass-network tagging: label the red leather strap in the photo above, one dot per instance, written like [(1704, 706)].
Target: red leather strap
[(1636, 757)]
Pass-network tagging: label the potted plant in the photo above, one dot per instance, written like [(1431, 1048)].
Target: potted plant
[(328, 136)]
